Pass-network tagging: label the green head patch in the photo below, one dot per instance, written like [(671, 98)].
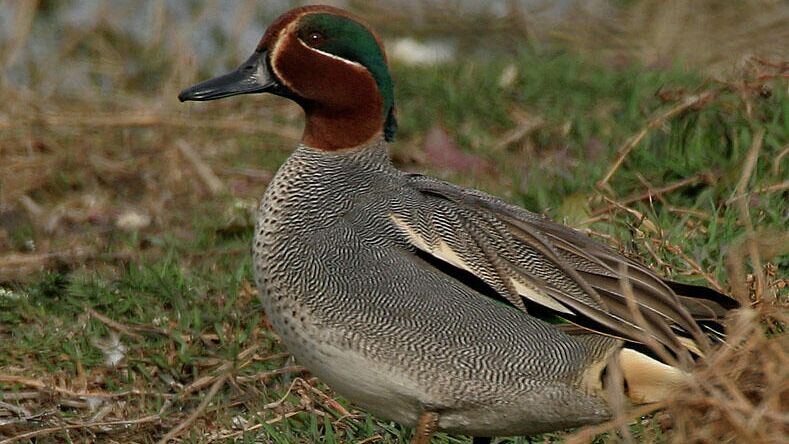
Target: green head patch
[(352, 41)]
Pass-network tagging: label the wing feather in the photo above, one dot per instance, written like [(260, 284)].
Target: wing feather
[(524, 256)]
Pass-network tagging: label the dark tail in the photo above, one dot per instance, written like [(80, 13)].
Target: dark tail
[(707, 306)]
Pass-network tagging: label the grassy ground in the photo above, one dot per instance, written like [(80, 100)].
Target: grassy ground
[(127, 308)]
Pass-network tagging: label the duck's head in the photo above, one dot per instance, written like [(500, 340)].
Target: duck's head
[(327, 61)]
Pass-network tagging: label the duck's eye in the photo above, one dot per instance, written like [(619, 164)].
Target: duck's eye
[(315, 38)]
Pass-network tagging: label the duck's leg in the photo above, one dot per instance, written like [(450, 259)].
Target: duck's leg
[(426, 425), (481, 440)]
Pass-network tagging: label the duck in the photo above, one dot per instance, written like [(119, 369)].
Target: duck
[(430, 304)]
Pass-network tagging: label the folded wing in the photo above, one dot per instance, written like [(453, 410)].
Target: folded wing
[(527, 259)]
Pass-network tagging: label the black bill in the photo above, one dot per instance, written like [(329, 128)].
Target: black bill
[(252, 77)]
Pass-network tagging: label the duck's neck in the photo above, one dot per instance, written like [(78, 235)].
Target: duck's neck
[(316, 182), (336, 128)]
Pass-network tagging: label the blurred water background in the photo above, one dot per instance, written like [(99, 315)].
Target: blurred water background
[(67, 46)]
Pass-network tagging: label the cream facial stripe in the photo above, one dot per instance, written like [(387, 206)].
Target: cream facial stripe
[(354, 64), (274, 53)]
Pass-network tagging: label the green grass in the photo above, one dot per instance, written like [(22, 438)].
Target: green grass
[(184, 294)]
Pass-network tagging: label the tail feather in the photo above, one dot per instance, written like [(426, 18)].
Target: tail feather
[(707, 306), (703, 303), (641, 378), (648, 380)]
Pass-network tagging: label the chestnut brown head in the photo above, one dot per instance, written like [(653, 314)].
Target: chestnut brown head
[(327, 61)]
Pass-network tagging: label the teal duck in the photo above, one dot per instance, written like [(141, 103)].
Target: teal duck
[(421, 301)]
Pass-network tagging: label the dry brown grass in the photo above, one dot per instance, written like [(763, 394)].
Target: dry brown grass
[(739, 393)]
